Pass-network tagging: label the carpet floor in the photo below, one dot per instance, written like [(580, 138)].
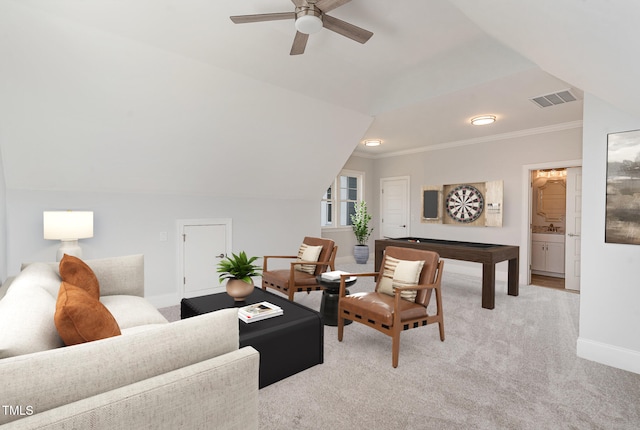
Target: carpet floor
[(513, 367)]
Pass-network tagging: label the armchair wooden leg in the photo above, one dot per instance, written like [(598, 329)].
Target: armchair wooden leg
[(395, 349), (291, 292), (340, 327), (441, 327)]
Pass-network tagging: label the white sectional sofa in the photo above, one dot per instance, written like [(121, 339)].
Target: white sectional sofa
[(188, 374)]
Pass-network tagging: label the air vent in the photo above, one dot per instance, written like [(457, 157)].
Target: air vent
[(553, 99)]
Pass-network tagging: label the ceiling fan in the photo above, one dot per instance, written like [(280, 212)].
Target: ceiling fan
[(310, 17)]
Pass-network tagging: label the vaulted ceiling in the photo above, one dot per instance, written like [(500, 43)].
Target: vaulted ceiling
[(171, 96)]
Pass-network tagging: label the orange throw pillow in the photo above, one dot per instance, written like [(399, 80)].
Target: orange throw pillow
[(76, 272), (80, 318)]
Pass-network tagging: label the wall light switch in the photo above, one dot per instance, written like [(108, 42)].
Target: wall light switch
[(163, 236)]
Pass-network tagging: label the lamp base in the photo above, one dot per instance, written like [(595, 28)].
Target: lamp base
[(69, 247)]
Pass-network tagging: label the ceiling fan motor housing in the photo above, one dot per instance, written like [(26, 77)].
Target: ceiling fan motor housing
[(308, 19)]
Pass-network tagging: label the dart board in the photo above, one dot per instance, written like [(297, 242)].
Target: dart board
[(464, 203)]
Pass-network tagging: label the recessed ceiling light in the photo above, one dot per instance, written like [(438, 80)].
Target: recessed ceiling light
[(372, 142), (483, 120)]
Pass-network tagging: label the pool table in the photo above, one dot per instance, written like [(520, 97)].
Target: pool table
[(485, 253)]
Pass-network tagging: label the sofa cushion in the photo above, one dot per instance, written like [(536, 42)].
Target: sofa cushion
[(308, 253), (132, 311), (26, 313), (76, 272), (81, 318)]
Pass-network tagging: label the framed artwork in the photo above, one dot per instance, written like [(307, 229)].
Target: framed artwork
[(623, 188)]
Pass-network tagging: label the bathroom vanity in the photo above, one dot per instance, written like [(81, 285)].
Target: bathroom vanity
[(547, 254)]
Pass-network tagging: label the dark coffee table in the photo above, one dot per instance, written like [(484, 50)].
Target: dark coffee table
[(287, 344)]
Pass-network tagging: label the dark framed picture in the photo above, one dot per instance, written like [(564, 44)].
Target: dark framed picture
[(623, 188)]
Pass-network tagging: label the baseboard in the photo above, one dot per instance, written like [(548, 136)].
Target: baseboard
[(610, 355), (163, 301)]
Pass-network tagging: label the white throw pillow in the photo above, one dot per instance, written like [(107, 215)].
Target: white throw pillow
[(400, 273), (308, 253)]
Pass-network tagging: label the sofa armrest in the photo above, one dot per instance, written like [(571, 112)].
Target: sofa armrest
[(220, 393), (49, 379)]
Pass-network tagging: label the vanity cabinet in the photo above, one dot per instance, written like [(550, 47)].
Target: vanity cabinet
[(547, 254)]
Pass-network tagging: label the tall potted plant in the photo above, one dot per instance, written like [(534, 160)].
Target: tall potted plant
[(238, 270), (360, 223)]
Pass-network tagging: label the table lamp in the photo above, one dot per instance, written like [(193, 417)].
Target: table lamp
[(68, 227)]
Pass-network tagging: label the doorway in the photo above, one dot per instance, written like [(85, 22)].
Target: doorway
[(552, 251), (394, 207)]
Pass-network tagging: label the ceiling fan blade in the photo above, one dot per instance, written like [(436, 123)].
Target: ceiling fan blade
[(328, 5), (299, 3), (344, 28), (299, 43), (243, 19)]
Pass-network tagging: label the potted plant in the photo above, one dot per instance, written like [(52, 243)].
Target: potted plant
[(238, 270), (360, 223)]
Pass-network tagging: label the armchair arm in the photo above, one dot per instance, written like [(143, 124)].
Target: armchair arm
[(266, 257), (344, 277)]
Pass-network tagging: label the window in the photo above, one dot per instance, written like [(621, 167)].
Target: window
[(338, 203)]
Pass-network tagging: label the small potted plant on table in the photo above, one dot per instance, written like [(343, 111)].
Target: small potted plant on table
[(238, 270)]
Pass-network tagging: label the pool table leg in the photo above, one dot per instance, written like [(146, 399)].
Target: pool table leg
[(488, 285), (513, 288)]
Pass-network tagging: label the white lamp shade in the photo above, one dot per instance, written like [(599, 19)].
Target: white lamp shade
[(68, 225)]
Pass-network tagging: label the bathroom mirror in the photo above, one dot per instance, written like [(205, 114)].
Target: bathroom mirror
[(552, 200)]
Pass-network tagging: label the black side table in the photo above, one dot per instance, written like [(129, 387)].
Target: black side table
[(330, 297)]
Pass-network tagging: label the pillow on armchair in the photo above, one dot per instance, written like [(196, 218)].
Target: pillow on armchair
[(400, 273), (308, 253)]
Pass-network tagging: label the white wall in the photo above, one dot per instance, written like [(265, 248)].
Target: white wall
[(131, 223), (3, 223), (498, 160), (610, 291)]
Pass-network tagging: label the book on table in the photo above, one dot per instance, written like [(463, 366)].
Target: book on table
[(259, 311), (333, 275)]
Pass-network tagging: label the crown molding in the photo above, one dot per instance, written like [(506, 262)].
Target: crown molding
[(476, 140)]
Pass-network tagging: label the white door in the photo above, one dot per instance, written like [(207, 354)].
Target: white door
[(204, 245), (573, 228), (394, 198)]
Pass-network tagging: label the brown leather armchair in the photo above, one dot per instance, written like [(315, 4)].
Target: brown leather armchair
[(393, 314), (291, 281)]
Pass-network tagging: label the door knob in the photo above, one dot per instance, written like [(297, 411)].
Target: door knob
[(403, 226), (220, 256)]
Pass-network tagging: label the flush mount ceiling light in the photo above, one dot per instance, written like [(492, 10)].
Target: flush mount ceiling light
[(483, 120), (372, 142)]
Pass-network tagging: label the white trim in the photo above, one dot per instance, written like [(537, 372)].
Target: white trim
[(181, 224), (163, 300), (610, 355), (476, 140), (525, 230)]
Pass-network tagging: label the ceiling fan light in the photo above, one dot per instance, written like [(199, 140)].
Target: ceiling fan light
[(309, 24), (483, 120)]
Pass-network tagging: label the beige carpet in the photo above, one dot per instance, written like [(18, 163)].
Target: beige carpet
[(514, 367)]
